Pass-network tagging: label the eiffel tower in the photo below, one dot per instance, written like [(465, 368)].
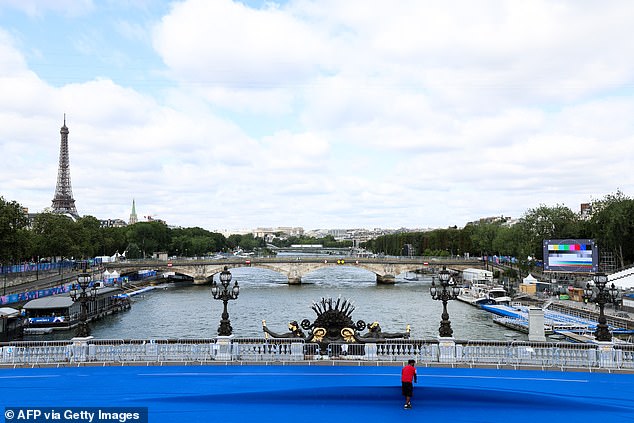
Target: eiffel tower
[(63, 202)]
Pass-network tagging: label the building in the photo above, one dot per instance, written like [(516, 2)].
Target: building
[(586, 210), (133, 217), (271, 233), (112, 223)]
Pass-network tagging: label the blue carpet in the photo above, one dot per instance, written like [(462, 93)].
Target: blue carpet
[(329, 394)]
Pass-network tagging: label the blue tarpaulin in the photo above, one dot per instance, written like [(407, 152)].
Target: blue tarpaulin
[(276, 393)]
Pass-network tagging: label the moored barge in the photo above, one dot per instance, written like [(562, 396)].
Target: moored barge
[(60, 312)]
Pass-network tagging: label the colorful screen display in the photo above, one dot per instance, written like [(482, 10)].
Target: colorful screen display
[(571, 255)]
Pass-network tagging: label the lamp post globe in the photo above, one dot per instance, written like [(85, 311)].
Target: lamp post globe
[(225, 294)]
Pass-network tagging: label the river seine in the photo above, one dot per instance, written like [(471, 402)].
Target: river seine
[(191, 312)]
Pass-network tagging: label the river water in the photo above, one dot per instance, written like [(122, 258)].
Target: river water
[(191, 312)]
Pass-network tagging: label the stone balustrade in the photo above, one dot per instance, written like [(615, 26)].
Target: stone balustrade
[(441, 351)]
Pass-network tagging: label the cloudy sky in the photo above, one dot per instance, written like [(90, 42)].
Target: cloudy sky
[(322, 114)]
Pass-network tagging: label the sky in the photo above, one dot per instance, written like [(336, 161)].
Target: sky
[(228, 115)]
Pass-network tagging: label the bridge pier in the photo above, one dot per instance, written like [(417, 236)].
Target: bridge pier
[(201, 281), (385, 279), (294, 280)]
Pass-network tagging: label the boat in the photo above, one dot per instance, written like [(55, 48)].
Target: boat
[(11, 324), (61, 312), (478, 294), (411, 276), (473, 294), (498, 295)]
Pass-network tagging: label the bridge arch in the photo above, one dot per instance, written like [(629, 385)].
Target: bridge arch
[(293, 271), (385, 270)]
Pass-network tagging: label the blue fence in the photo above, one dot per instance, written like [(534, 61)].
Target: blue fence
[(31, 295), (36, 267)]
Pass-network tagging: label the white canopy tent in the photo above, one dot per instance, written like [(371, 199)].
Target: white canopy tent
[(623, 279), (529, 280)]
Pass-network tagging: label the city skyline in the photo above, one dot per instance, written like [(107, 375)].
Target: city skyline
[(230, 115)]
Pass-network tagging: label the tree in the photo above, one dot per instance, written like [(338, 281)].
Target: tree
[(612, 225), (196, 241), (544, 222), (55, 235), (483, 236), (149, 237), (233, 241), (12, 222), (507, 241), (89, 236), (114, 241)]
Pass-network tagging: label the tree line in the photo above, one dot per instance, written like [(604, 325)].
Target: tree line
[(58, 236), (610, 224)]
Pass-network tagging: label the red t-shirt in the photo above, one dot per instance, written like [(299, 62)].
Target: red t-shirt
[(407, 374)]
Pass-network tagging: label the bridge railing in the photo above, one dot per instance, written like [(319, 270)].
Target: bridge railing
[(258, 349), (533, 354), (160, 350), (514, 354), (421, 260)]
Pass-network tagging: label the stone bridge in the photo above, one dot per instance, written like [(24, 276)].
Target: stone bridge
[(385, 269)]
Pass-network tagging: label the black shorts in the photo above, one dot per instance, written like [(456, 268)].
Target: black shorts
[(407, 388)]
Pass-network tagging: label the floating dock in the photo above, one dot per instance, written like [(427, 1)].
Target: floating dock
[(140, 291), (516, 317)]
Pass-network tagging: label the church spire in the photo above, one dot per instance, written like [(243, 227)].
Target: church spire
[(133, 217)]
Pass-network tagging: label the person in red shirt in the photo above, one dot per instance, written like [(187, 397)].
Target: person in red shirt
[(408, 376)]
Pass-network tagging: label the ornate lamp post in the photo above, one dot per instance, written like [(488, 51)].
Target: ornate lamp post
[(225, 294), (448, 291), (83, 280), (603, 297)]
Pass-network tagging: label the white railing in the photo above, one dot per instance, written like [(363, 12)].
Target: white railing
[(513, 354), (528, 354)]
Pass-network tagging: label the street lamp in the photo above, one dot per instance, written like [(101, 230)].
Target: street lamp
[(448, 292), (603, 297), (225, 294), (83, 280)]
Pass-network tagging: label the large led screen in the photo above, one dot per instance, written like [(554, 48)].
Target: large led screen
[(571, 255)]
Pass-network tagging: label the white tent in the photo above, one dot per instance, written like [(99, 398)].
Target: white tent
[(623, 279), (8, 312), (529, 280)]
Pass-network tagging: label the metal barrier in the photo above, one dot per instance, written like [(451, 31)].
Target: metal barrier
[(624, 356), (425, 351), (259, 349), (527, 354), (151, 351), (515, 354), (34, 353)]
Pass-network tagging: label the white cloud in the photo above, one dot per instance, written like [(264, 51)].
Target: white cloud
[(330, 113), (230, 43)]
